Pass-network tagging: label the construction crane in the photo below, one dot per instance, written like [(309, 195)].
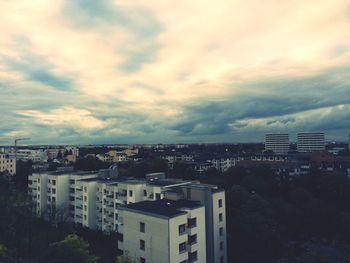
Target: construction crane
[(16, 141)]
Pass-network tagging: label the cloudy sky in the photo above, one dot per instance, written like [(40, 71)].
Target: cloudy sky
[(143, 71)]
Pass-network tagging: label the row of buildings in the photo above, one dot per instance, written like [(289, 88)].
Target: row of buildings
[(157, 219), (306, 142)]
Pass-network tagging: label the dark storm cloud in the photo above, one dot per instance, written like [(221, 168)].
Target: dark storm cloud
[(34, 67), (274, 100), (91, 13)]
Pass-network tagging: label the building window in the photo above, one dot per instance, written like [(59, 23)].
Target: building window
[(220, 217), (142, 260), (182, 247), (192, 222), (53, 190), (116, 216), (85, 198), (182, 229), (221, 231), (144, 193), (85, 217), (192, 239), (192, 256), (157, 196), (142, 227), (221, 245), (53, 199), (85, 208), (220, 202), (130, 193), (85, 189), (142, 244)]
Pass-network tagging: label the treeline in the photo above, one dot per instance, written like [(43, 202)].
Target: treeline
[(26, 239), (275, 219), (269, 219)]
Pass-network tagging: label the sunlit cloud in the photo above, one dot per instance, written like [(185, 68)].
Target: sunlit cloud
[(165, 71)]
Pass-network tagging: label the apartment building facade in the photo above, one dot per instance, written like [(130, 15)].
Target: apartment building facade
[(57, 192), (164, 231), (115, 205), (7, 163)]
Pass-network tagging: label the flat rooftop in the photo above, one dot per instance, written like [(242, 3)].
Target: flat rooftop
[(166, 182), (163, 208), (61, 173)]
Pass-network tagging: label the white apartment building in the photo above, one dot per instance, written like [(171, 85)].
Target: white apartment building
[(56, 192), (7, 163), (122, 204), (311, 142), (114, 193), (277, 143), (111, 194), (215, 214), (85, 202), (224, 163), (33, 155), (164, 231)]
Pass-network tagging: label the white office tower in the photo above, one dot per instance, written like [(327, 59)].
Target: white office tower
[(164, 231), (277, 143), (311, 142)]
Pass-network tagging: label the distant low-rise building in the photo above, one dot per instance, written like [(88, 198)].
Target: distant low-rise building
[(7, 163)]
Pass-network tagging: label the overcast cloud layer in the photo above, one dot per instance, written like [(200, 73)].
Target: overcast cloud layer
[(150, 71)]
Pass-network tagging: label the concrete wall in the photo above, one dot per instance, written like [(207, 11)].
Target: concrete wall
[(156, 237)]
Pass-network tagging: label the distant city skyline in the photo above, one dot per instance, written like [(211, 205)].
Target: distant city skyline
[(92, 72)]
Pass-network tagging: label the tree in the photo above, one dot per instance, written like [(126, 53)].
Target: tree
[(72, 249), (90, 163), (122, 259), (23, 170), (59, 155), (254, 234), (255, 184), (4, 257), (307, 258)]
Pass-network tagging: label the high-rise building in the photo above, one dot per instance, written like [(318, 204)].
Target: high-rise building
[(277, 143), (311, 142)]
